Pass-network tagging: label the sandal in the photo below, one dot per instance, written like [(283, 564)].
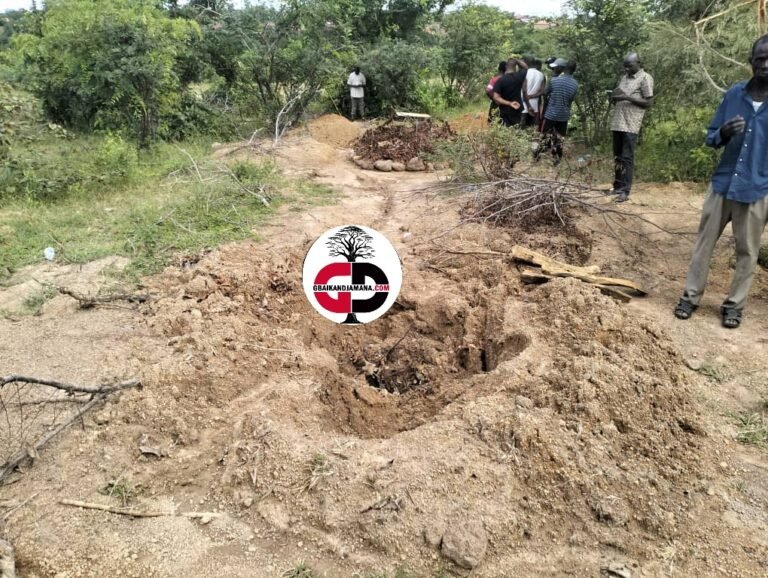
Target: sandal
[(731, 317), (685, 309)]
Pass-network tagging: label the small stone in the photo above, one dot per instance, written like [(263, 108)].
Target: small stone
[(206, 519), (365, 164), (247, 502), (465, 543), (522, 401), (617, 569), (398, 167), (433, 535), (711, 491), (415, 164), (406, 236), (383, 166), (723, 465), (694, 364)]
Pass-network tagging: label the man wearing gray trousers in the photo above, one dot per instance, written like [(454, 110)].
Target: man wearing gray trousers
[(739, 192)]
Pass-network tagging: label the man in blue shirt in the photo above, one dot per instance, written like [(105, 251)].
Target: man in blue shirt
[(560, 92), (739, 192)]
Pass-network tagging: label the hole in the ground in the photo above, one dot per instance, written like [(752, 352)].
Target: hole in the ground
[(497, 352), (406, 372)]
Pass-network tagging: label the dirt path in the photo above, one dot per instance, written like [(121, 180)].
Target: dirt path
[(543, 431)]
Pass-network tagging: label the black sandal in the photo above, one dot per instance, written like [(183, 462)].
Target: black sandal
[(731, 317), (685, 309)]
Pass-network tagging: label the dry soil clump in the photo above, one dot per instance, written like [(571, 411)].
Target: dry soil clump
[(333, 130)]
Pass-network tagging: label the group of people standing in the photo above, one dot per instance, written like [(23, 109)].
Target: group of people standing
[(521, 96)]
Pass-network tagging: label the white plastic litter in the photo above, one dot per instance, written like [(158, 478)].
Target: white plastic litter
[(49, 253)]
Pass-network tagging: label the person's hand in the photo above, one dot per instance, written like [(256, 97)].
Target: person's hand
[(514, 104), (618, 95), (733, 127)]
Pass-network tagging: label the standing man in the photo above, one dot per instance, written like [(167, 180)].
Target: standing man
[(356, 82), (561, 93), (508, 92), (533, 89), (632, 97), (739, 191), (489, 89)]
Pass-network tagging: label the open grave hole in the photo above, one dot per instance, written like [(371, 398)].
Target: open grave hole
[(416, 361)]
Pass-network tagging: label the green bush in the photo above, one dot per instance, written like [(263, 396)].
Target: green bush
[(673, 149)]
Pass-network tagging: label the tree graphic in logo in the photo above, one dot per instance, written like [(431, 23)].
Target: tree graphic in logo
[(352, 243)]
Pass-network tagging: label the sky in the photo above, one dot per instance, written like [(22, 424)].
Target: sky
[(522, 7)]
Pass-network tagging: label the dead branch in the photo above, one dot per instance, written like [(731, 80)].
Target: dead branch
[(19, 506), (98, 390), (86, 301), (136, 513), (194, 164), (25, 453)]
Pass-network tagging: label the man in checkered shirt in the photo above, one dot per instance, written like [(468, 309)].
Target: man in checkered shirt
[(632, 97)]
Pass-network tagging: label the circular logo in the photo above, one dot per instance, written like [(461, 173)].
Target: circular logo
[(352, 274)]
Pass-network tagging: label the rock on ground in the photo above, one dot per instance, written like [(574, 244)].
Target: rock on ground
[(465, 543), (383, 166)]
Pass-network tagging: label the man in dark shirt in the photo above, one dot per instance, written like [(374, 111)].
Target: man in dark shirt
[(508, 92), (739, 191), (561, 93)]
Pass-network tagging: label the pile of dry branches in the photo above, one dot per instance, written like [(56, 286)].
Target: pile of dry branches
[(401, 141), (36, 410), (528, 202)]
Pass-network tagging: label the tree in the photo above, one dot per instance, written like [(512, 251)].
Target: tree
[(107, 63), (597, 37), (352, 243), (475, 39)]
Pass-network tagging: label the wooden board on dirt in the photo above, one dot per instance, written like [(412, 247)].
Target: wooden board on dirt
[(550, 269)]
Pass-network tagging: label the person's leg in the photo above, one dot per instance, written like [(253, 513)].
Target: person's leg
[(748, 225), (559, 132), (352, 106), (361, 108), (618, 147), (629, 145), (714, 217)]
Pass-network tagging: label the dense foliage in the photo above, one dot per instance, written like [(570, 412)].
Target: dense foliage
[(144, 70)]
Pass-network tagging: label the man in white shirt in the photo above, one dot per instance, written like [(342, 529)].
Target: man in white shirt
[(534, 87), (356, 82)]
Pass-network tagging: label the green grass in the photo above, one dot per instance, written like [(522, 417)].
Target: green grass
[(752, 429), (300, 570), (147, 207), (33, 304)]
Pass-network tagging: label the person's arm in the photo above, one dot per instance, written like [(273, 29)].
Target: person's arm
[(349, 80), (646, 95), (520, 64), (362, 76), (542, 90), (497, 98), (720, 130)]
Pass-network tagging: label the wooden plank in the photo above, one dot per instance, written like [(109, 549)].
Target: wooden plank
[(411, 115), (536, 276), (528, 256)]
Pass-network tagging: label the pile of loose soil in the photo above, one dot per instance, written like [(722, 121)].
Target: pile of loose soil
[(333, 130), (470, 122), (401, 142)]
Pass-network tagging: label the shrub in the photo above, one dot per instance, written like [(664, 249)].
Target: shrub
[(673, 149)]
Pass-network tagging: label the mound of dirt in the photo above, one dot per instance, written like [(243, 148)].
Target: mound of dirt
[(333, 130), (400, 142), (574, 421), (470, 122)]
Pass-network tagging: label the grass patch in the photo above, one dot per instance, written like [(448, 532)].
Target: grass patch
[(317, 469), (158, 206), (122, 490), (714, 372), (33, 304), (752, 429), (300, 570)]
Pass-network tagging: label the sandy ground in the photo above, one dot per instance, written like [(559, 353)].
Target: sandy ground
[(532, 431)]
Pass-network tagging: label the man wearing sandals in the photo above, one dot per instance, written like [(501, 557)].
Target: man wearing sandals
[(739, 191)]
